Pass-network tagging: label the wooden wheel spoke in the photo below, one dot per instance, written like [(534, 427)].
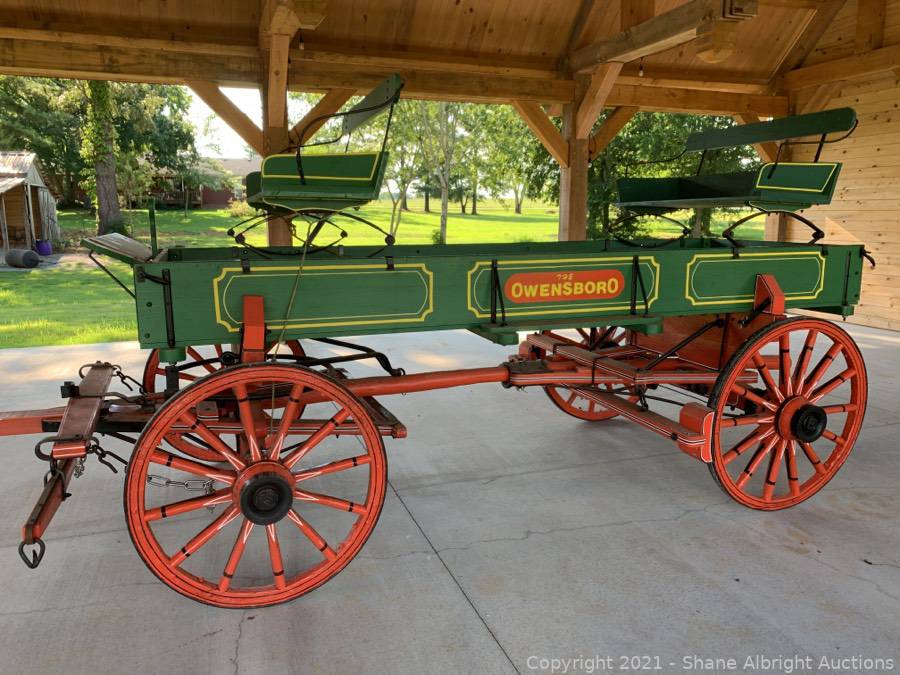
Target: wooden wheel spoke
[(190, 466), (204, 536), (803, 361), (793, 478), (760, 454), (240, 543), (331, 467), (245, 413), (219, 350), (813, 457), (310, 533), (775, 460), (838, 408), (763, 369), (784, 366), (756, 436), (746, 420), (820, 368), (572, 397), (832, 384), (756, 398), (332, 502), (222, 496), (287, 418), (216, 443), (315, 438), (275, 556), (197, 356), (833, 437)]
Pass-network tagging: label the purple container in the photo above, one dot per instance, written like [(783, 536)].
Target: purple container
[(43, 247)]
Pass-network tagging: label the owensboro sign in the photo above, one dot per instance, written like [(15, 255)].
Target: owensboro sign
[(554, 286)]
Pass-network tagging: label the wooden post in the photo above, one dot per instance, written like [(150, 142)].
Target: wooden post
[(4, 230), (573, 179), (29, 219)]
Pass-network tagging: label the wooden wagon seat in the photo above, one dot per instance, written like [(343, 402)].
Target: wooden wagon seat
[(332, 181)]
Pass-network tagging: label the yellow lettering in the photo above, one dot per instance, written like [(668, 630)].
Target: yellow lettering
[(613, 286), (545, 290)]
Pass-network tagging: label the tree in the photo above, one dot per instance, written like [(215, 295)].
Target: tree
[(404, 159), (473, 151), (510, 148), (438, 131), (99, 146)]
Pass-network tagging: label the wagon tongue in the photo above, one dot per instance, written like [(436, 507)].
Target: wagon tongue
[(68, 447)]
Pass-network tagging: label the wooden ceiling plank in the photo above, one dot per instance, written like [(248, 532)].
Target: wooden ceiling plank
[(312, 121), (697, 101), (233, 116), (577, 34), (602, 80), (810, 37), (767, 151), (545, 130), (869, 25), (611, 126), (859, 65)]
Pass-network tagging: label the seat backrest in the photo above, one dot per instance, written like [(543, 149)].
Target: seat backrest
[(385, 94), (352, 169), (781, 129)]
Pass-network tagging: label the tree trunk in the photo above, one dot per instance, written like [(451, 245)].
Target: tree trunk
[(517, 200), (445, 203), (474, 210), (427, 204), (404, 204), (103, 141)]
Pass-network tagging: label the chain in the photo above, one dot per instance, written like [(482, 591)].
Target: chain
[(194, 485)]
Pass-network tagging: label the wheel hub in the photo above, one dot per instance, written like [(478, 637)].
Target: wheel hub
[(265, 492), (801, 420)]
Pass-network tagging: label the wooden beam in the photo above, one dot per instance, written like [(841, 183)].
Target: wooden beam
[(233, 116), (544, 129), (858, 65), (819, 98), (330, 103), (573, 178), (578, 32), (869, 25), (611, 126), (602, 80), (767, 151), (810, 37), (4, 231), (694, 81), (697, 101), (277, 56), (664, 31)]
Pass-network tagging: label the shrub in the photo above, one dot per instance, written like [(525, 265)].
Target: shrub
[(240, 209), (436, 236)]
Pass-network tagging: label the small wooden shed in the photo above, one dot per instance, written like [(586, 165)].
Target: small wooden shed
[(27, 207)]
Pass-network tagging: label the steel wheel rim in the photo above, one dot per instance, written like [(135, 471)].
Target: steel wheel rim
[(568, 400), (162, 562), (152, 371), (770, 467)]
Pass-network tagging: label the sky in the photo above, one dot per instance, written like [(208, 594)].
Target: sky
[(215, 138)]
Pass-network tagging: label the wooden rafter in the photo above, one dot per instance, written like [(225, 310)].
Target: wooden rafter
[(858, 65), (578, 32), (545, 130), (819, 98), (767, 151), (663, 31), (602, 81), (233, 116), (697, 101), (633, 12), (611, 126), (312, 121)]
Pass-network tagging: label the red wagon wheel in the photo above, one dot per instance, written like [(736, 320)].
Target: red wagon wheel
[(778, 443), (199, 365), (571, 402), (284, 508)]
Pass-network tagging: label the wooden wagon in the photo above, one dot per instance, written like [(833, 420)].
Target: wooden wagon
[(258, 471)]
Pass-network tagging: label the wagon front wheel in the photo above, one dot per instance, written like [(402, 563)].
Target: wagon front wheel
[(777, 442), (289, 502)]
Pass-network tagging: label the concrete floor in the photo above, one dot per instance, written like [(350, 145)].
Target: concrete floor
[(511, 533)]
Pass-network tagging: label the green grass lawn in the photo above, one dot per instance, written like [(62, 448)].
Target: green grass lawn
[(77, 303)]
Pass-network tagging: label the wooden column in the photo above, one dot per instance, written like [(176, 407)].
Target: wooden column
[(4, 230), (573, 179)]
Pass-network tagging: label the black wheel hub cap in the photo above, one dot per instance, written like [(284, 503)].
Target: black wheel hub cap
[(266, 499), (808, 423)]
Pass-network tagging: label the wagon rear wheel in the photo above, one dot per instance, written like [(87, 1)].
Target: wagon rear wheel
[(569, 400), (200, 364), (779, 442), (289, 502)]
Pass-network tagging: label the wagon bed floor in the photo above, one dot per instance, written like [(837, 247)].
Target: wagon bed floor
[(511, 531)]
